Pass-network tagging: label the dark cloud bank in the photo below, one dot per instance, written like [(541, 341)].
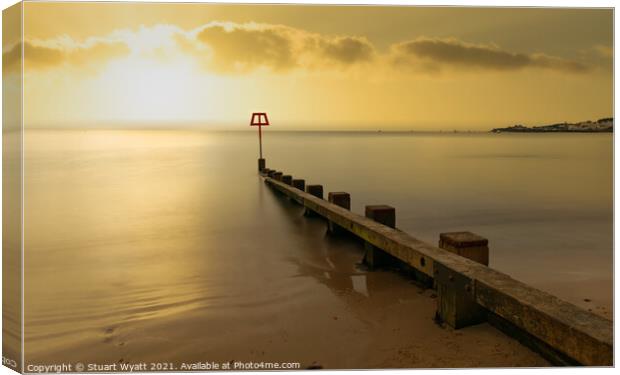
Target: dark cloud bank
[(279, 48), (38, 56), (458, 54), (238, 48)]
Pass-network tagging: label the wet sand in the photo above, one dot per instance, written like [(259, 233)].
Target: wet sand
[(342, 317)]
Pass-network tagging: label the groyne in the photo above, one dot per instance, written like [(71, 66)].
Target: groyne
[(468, 291)]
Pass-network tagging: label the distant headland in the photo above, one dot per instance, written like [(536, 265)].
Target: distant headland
[(604, 125)]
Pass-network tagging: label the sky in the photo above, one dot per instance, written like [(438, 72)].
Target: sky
[(311, 67)]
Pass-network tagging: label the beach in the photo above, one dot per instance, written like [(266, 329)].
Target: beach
[(171, 249)]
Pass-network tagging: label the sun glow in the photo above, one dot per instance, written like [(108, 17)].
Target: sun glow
[(145, 89)]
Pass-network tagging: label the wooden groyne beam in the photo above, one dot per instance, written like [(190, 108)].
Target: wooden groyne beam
[(470, 292)]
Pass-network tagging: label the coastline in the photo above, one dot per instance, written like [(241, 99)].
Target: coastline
[(603, 125)]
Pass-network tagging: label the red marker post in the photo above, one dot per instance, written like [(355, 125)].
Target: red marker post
[(260, 119)]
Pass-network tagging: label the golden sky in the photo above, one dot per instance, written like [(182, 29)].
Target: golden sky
[(312, 67)]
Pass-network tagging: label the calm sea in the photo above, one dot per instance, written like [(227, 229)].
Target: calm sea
[(127, 226)]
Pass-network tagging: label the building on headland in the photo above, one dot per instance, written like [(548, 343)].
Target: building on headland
[(604, 125)]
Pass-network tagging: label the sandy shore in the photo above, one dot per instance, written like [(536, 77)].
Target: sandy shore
[(350, 320)]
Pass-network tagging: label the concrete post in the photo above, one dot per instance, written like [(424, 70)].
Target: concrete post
[(277, 176), (261, 164), (287, 179), (342, 199), (456, 303), (466, 244), (385, 215), (317, 191), (299, 184)]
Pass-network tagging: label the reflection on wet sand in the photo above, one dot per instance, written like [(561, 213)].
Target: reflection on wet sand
[(391, 301)]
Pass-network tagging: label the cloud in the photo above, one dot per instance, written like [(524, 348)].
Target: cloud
[(11, 59), (348, 50), (36, 56), (231, 47), (244, 48), (44, 55), (237, 48), (433, 55)]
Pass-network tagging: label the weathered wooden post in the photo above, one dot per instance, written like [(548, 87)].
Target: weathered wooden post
[(385, 215), (342, 199), (277, 176), (466, 244), (299, 184), (261, 164), (456, 303), (317, 191), (287, 179)]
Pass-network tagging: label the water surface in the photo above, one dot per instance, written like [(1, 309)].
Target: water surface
[(165, 244)]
